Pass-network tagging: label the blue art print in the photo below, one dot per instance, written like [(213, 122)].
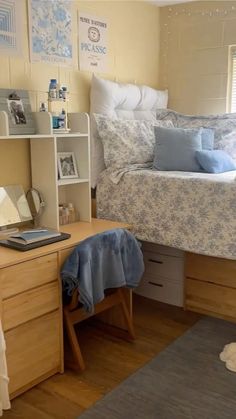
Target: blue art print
[(51, 31), (10, 27)]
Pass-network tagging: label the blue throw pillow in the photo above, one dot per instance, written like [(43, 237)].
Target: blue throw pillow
[(207, 139), (175, 149), (215, 161)]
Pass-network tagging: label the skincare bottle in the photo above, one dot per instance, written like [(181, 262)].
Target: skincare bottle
[(64, 93), (60, 215), (71, 212), (52, 93), (62, 119), (65, 215), (43, 107), (60, 93)]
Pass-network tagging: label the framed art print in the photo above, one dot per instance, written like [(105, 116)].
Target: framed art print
[(67, 167)]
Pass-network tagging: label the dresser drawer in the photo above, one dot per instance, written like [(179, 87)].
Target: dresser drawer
[(162, 289), (212, 299), (26, 275), (210, 269), (29, 305), (157, 264), (33, 350)]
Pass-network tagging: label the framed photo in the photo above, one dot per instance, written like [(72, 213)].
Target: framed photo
[(16, 110), (67, 167), (16, 104)]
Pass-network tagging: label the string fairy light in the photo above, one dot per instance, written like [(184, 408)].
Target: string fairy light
[(172, 13)]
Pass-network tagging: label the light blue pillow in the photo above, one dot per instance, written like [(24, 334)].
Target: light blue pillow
[(215, 161), (207, 139), (175, 149)]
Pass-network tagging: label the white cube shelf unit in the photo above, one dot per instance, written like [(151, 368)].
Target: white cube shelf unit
[(44, 169)]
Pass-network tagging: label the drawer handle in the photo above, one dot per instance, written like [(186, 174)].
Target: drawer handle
[(155, 261), (156, 285)]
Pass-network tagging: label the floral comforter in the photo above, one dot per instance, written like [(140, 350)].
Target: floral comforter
[(195, 212)]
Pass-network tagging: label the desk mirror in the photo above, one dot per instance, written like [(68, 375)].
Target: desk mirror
[(36, 204)]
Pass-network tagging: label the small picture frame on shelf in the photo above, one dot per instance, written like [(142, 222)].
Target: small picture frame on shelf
[(17, 106), (67, 168)]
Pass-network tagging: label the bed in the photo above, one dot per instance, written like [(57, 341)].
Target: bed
[(194, 212), (190, 211)]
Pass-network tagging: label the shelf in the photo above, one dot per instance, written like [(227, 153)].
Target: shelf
[(78, 125), (62, 182), (57, 100), (44, 167), (36, 136), (25, 136), (70, 135)]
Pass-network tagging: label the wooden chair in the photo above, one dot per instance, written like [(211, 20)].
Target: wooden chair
[(74, 314)]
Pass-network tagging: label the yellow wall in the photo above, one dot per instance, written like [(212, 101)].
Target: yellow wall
[(195, 41), (133, 38)]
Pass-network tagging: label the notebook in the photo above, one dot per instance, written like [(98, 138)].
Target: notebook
[(34, 245), (32, 236)]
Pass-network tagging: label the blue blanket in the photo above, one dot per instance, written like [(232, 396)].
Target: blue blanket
[(107, 260)]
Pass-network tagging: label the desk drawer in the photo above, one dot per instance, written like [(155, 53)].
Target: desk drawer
[(210, 269), (157, 264), (26, 275), (33, 350), (210, 298), (30, 304)]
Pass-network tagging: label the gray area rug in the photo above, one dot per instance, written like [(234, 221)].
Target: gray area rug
[(185, 381)]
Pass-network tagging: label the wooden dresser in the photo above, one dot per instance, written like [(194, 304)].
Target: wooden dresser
[(31, 308), (210, 286)]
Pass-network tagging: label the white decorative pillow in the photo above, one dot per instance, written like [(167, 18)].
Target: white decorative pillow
[(127, 142)]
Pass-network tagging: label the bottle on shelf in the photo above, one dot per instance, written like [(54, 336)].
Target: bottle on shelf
[(60, 93), (43, 107), (64, 93), (52, 92), (65, 215), (71, 210), (60, 214), (55, 121), (62, 119)]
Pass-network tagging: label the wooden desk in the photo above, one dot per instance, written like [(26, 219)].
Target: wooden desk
[(31, 306)]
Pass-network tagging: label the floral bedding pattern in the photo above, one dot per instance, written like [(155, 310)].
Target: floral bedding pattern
[(127, 142), (195, 212)]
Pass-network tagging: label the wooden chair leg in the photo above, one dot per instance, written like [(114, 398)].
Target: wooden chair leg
[(126, 314), (74, 341)]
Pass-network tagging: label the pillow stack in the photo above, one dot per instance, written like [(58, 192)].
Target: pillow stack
[(127, 142), (189, 150)]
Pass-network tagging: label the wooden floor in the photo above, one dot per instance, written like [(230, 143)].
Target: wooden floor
[(109, 361)]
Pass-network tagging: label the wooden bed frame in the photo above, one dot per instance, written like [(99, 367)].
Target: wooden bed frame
[(210, 286)]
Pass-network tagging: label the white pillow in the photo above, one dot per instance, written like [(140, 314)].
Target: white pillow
[(127, 142), (118, 100)]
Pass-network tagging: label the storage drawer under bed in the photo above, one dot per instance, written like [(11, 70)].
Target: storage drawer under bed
[(157, 265), (162, 289), (163, 278)]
